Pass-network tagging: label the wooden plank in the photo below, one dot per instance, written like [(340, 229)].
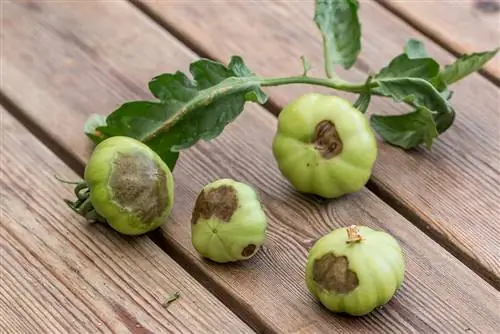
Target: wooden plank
[(270, 288), (61, 276), (463, 26), (458, 182)]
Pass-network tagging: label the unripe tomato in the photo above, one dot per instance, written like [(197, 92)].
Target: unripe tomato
[(130, 185), (354, 270), (228, 222), (324, 146)]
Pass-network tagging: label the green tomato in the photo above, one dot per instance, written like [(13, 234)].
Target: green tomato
[(324, 146), (354, 270), (130, 185), (228, 222)]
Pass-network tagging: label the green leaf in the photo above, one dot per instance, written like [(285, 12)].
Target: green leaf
[(439, 83), (306, 65), (415, 49), (420, 93), (239, 68), (466, 65), (339, 25), (362, 102), (187, 110), (407, 131), (402, 66), (413, 63), (90, 127), (136, 119)]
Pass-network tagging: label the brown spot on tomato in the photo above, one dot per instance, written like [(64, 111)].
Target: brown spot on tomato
[(332, 273), (327, 140), (248, 250), (139, 184), (219, 202)]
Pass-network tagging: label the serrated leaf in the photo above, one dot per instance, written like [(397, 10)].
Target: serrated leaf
[(339, 25), (466, 65), (402, 66), (438, 83), (90, 127), (415, 49), (238, 67), (187, 110), (407, 131), (420, 93), (257, 96)]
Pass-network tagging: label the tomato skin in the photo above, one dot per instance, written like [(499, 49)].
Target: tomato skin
[(130, 185), (377, 261), (228, 222), (330, 171)]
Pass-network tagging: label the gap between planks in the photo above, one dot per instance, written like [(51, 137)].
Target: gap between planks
[(387, 197), (69, 159), (387, 5), (238, 307)]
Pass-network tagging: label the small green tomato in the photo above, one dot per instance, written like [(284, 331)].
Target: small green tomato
[(228, 222), (324, 146), (130, 185), (355, 270)]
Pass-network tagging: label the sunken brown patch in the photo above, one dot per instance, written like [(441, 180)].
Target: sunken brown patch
[(218, 202), (139, 184), (331, 273), (326, 140), (248, 250)]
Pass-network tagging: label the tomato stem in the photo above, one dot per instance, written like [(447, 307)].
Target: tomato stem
[(334, 83), (353, 234)]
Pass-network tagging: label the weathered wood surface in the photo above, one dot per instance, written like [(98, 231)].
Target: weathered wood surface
[(463, 26), (452, 193), (269, 290), (61, 275)]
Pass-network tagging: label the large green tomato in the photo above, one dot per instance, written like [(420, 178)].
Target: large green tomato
[(130, 185), (324, 146), (354, 270), (228, 222)]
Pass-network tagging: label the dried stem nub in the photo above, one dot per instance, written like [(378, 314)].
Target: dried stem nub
[(353, 234)]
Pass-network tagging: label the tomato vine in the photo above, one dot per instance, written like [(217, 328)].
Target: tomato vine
[(198, 108)]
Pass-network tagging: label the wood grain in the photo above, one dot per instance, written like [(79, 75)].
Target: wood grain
[(60, 275), (464, 26), (452, 193), (270, 287)]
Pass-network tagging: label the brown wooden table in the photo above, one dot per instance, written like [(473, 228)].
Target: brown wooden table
[(63, 60)]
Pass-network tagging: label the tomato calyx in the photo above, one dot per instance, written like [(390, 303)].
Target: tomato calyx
[(327, 140), (82, 205)]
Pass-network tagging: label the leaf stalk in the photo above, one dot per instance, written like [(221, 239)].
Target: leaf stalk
[(337, 84)]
